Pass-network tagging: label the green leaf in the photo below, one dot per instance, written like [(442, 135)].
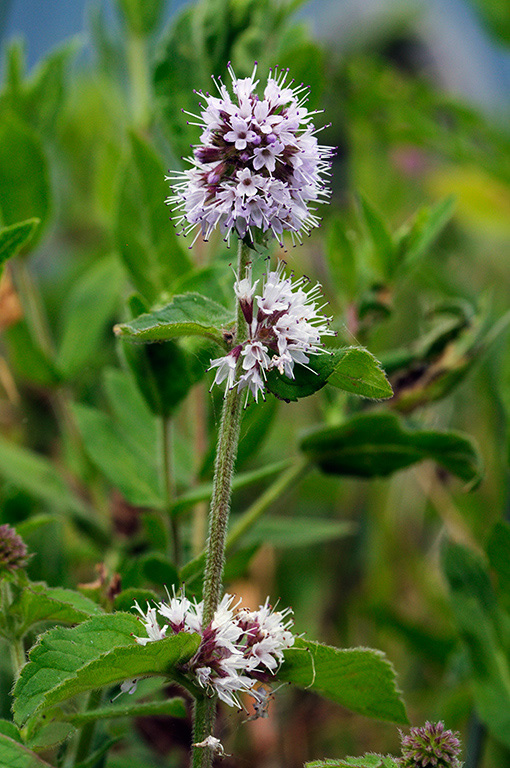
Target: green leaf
[(186, 315), (285, 532), (107, 448), (37, 99), (38, 602), (357, 371), (86, 313), (241, 480), (380, 237), (169, 707), (414, 239), (15, 755), (342, 259), (306, 381), (145, 236), (142, 16), (14, 238), (7, 728), (25, 189), (125, 601), (377, 444), (485, 630), (498, 552), (359, 679), (38, 477), (352, 369), (367, 761), (133, 418), (160, 571), (99, 652), (28, 361)]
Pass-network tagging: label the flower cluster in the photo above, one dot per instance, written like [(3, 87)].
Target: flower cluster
[(430, 746), (238, 647), (259, 164), (284, 327), (13, 550)]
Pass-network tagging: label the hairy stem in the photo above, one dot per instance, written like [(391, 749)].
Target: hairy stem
[(226, 452)]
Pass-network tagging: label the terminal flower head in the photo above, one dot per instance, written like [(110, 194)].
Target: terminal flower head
[(238, 648), (13, 550), (259, 165), (285, 327), (430, 746)]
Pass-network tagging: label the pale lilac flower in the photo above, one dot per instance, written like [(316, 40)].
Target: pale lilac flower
[(430, 746), (259, 165), (150, 622), (238, 648), (285, 327)]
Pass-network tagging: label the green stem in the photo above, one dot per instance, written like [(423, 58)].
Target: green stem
[(80, 749), (139, 77), (16, 645), (226, 452), (278, 488), (204, 715), (169, 521)]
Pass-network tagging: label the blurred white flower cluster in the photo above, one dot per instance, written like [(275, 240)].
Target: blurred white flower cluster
[(238, 648), (259, 164), (284, 328)]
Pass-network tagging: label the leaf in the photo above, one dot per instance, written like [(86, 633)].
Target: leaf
[(28, 361), (498, 552), (359, 679), (241, 480), (25, 191), (377, 444), (38, 602), (186, 315), (37, 99), (133, 418), (86, 313), (125, 600), (415, 238), (285, 532), (352, 369), (97, 653), (169, 707), (160, 571), (342, 259), (14, 238), (485, 632), (142, 16), (15, 755), (357, 371), (145, 236), (382, 243), (367, 761), (38, 477), (7, 728), (107, 448), (306, 381)]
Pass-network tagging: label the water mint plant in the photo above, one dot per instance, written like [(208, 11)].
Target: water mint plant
[(182, 436)]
